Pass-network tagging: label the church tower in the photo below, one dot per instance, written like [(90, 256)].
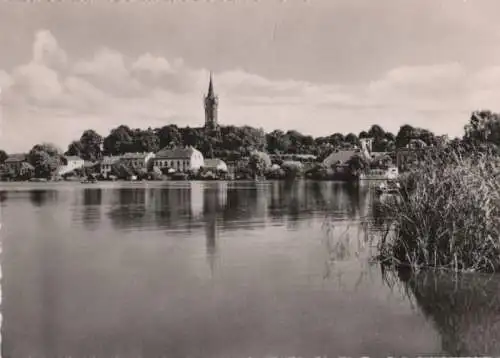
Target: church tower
[(211, 104)]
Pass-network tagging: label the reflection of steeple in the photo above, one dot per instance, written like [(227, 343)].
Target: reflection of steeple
[(211, 234), (214, 202)]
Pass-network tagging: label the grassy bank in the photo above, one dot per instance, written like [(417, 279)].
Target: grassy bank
[(448, 215)]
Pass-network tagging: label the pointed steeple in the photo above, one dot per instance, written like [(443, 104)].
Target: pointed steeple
[(211, 93)]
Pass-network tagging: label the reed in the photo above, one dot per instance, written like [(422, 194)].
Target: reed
[(447, 216)]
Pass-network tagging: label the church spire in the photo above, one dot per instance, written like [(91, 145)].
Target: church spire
[(211, 104), (211, 93)]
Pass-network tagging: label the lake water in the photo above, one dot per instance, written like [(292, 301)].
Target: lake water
[(217, 269)]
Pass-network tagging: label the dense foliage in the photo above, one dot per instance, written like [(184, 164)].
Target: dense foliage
[(447, 215), (232, 143)]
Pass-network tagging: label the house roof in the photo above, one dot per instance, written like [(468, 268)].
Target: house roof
[(213, 163), (13, 158), (342, 156), (176, 153), (26, 165), (72, 157), (88, 164), (110, 160), (135, 155)]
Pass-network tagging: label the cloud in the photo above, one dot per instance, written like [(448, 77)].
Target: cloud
[(64, 96), (46, 50)]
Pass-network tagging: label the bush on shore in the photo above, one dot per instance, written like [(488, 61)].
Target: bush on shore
[(448, 215)]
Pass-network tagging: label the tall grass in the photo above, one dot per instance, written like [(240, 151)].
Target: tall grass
[(448, 214)]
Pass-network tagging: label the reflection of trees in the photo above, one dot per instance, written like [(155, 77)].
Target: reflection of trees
[(40, 197), (298, 199), (463, 308), (173, 207), (243, 205), (129, 208), (3, 196), (92, 201)]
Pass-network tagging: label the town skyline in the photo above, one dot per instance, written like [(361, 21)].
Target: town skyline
[(63, 76)]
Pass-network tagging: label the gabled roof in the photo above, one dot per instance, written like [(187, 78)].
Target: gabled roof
[(135, 155), (13, 158), (342, 156), (28, 166), (176, 153), (72, 158), (110, 160), (213, 163)]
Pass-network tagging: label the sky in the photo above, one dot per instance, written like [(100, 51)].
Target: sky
[(316, 66)]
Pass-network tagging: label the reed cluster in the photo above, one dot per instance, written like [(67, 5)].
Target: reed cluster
[(447, 216)]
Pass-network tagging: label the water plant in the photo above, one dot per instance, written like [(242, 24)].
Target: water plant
[(448, 214)]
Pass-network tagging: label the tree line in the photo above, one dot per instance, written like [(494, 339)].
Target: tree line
[(232, 143)]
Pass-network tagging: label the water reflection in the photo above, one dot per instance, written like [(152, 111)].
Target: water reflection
[(3, 196), (92, 207), (463, 308), (154, 282), (40, 197), (128, 207)]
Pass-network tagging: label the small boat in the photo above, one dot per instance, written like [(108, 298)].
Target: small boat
[(389, 187)]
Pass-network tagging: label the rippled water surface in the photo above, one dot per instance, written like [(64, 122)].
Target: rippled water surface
[(213, 269)]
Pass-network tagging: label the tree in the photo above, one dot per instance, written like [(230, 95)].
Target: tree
[(75, 148), (145, 141), (91, 143), (259, 162), (169, 136), (46, 158), (483, 128), (3, 156), (119, 141), (292, 169), (405, 134), (352, 139), (357, 164)]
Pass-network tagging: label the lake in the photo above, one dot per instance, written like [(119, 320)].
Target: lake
[(220, 269)]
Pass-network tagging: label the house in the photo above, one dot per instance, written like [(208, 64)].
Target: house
[(339, 158), (215, 165), (181, 159), (138, 160), (411, 155), (69, 164), (106, 165), (14, 163)]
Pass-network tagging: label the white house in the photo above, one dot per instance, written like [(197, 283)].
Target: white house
[(70, 163), (215, 165), (137, 160), (180, 159), (106, 165)]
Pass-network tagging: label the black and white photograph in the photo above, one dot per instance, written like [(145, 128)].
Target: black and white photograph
[(249, 178)]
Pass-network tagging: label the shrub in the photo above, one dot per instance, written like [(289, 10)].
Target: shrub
[(448, 214)]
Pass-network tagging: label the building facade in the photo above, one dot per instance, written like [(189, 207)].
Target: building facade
[(179, 159), (14, 162), (106, 165), (70, 163), (137, 160)]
